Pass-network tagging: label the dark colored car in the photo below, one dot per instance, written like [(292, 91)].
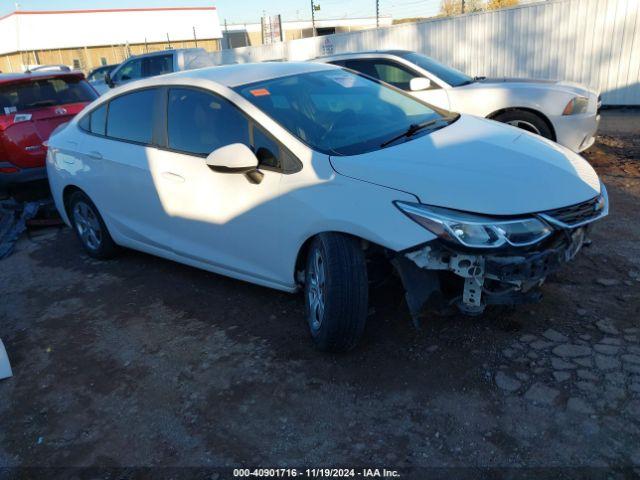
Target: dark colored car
[(97, 74), (32, 105)]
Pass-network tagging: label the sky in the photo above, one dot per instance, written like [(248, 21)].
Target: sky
[(241, 11)]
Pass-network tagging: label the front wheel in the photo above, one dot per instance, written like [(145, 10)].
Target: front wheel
[(526, 121), (336, 291)]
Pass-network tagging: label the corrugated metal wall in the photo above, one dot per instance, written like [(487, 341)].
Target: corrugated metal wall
[(594, 42)]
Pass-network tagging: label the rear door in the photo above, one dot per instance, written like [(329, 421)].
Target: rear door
[(118, 148), (31, 110)]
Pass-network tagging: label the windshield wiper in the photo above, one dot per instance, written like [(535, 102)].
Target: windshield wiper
[(413, 129), (477, 79)]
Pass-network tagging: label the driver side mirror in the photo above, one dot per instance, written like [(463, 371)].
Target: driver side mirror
[(108, 80), (235, 158), (419, 83)]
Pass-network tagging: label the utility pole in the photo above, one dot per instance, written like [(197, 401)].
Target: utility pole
[(462, 7), (17, 5), (313, 18), (378, 13)]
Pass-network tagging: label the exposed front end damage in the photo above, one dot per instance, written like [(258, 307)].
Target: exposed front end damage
[(441, 276)]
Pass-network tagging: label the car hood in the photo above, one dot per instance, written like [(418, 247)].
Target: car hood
[(520, 83), (480, 166)]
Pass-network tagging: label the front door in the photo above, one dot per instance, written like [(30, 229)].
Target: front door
[(222, 219), (399, 75)]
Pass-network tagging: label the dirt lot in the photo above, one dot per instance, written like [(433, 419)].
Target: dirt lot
[(143, 362)]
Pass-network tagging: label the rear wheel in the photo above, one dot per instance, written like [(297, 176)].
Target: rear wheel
[(336, 291), (90, 228), (526, 121)]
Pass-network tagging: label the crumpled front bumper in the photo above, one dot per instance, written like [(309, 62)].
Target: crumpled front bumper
[(476, 280)]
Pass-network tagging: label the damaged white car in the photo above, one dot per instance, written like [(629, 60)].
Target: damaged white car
[(305, 175)]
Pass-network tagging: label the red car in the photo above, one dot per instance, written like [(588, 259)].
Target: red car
[(32, 105)]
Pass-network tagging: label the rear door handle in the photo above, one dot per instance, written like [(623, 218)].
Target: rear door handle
[(173, 177), (95, 155)]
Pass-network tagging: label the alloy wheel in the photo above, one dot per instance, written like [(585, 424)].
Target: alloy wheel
[(316, 291), (524, 125), (87, 225)]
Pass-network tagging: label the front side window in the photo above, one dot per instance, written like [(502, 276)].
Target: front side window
[(131, 116), (44, 93), (266, 148), (199, 122), (131, 70), (157, 65), (386, 70), (336, 111)]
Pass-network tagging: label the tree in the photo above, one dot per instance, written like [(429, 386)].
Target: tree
[(455, 7), (497, 4), (450, 7)]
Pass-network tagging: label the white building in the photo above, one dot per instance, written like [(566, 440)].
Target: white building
[(87, 38)]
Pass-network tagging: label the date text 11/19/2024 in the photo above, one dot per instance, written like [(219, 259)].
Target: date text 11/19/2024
[(315, 473)]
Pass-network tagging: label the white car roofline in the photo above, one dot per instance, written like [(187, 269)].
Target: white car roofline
[(390, 56)]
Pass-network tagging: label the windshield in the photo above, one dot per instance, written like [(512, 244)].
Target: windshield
[(99, 73), (44, 93), (453, 77), (336, 111)]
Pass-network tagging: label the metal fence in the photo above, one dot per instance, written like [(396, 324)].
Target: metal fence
[(594, 42)]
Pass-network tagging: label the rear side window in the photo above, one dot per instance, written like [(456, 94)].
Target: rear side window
[(44, 93), (131, 116), (157, 65), (200, 122)]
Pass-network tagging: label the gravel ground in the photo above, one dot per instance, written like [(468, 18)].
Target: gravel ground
[(143, 362)]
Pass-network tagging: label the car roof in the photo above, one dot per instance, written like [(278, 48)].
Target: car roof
[(165, 52), (245, 73), (367, 52), (7, 78)]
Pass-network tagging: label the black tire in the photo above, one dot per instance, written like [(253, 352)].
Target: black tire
[(527, 121), (344, 291), (99, 244)]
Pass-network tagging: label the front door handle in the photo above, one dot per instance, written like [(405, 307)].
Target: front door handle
[(95, 155), (173, 177)]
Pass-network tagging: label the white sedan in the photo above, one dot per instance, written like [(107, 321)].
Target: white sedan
[(306, 175), (561, 111)]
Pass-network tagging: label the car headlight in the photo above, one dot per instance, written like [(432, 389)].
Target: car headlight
[(576, 105), (476, 231)]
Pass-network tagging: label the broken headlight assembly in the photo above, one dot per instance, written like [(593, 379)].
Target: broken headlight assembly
[(476, 231)]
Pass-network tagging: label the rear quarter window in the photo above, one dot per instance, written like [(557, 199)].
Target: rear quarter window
[(95, 121)]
